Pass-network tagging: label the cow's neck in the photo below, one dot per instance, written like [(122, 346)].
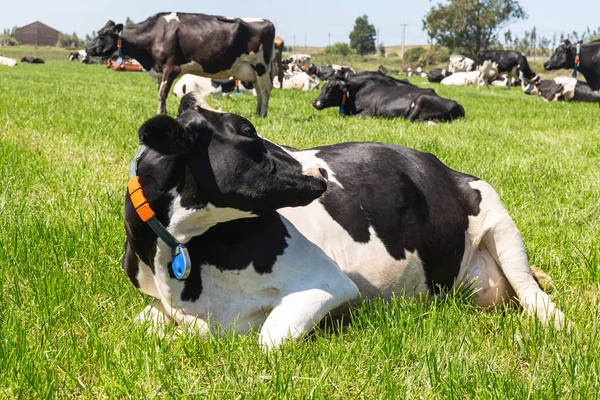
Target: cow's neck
[(137, 45), (588, 66)]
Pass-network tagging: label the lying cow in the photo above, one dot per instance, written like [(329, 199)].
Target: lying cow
[(326, 72), (416, 72), (211, 87), (7, 62), (587, 61), (437, 75), (503, 80), (511, 63), (299, 80), (373, 94), (459, 63), (386, 71), (125, 66), (172, 44), (562, 88), (207, 180), (78, 55), (300, 60), (461, 79), (32, 60)]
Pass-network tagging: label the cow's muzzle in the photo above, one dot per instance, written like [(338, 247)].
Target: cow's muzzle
[(317, 104), (317, 171)]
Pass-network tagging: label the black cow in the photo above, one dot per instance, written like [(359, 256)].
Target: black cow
[(589, 60), (393, 222), (374, 94), (32, 60), (437, 75), (326, 72), (512, 63), (562, 88), (171, 44)]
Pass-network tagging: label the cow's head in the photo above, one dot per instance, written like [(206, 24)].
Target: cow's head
[(563, 57), (332, 93), (105, 42), (218, 158)]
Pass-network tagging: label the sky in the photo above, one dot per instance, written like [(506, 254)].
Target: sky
[(297, 22)]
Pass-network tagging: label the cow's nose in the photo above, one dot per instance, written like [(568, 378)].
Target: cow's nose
[(317, 171), (317, 104)]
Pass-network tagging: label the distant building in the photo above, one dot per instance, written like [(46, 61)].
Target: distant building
[(37, 34)]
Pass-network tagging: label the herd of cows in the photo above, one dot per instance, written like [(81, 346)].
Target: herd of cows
[(225, 227)]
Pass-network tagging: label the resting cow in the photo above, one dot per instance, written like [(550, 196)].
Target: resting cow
[(589, 61), (460, 64), (213, 87), (437, 75), (405, 225), (511, 63), (125, 66), (172, 44), (326, 72), (562, 88), (299, 80), (8, 62), (32, 60), (373, 94)]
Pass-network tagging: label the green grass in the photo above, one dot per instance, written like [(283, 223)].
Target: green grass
[(67, 135)]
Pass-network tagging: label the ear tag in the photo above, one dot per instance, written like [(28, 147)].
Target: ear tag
[(341, 110), (237, 93), (574, 74), (119, 61), (181, 263)]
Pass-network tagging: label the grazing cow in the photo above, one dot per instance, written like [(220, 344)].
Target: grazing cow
[(562, 88), (214, 87), (437, 75), (7, 62), (512, 63), (301, 60), (405, 225), (587, 61), (296, 80), (32, 60), (373, 94), (277, 67), (460, 64), (326, 72), (125, 66), (172, 44)]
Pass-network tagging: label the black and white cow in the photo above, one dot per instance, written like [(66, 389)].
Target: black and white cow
[(405, 225), (383, 70), (562, 88), (172, 44), (78, 55), (437, 75), (458, 63), (326, 72), (512, 63), (374, 94), (214, 87), (589, 61), (32, 60)]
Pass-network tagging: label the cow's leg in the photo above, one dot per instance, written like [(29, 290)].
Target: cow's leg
[(303, 307), (168, 76), (509, 81), (155, 317), (263, 91), (501, 238)]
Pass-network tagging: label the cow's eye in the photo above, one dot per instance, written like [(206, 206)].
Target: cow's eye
[(247, 131)]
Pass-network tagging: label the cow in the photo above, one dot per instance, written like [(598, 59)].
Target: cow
[(125, 66), (459, 63), (7, 62), (587, 63), (301, 60), (78, 55), (383, 70), (172, 44), (296, 80), (277, 66), (32, 60), (214, 87), (228, 231), (562, 88), (461, 78), (502, 80), (416, 72), (373, 94), (326, 72), (437, 75), (512, 63)]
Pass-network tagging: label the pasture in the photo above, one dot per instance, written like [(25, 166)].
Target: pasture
[(67, 135)]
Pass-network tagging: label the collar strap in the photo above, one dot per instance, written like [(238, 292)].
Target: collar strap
[(574, 75), (119, 46), (345, 95), (180, 263)]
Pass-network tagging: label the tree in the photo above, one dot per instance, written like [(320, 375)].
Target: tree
[(508, 38), (129, 21), (362, 38), (468, 26), (338, 49)]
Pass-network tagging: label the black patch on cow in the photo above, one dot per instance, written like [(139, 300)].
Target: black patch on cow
[(183, 89), (410, 199), (260, 69), (233, 246), (131, 265)]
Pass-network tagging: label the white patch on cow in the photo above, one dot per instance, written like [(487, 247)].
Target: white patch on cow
[(308, 159), (568, 85), (251, 19), (172, 17), (461, 78), (369, 265), (299, 80), (8, 62), (146, 280)]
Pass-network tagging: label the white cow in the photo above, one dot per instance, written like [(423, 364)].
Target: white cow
[(296, 80), (460, 64), (9, 62), (461, 78)]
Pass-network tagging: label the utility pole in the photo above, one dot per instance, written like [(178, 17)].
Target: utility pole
[(329, 34), (378, 38), (403, 41), (305, 39), (294, 49)]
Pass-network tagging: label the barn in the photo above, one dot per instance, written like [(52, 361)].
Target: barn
[(37, 34)]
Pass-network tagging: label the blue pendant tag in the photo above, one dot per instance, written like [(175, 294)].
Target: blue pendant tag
[(341, 110), (119, 61), (574, 74), (181, 264), (237, 92)]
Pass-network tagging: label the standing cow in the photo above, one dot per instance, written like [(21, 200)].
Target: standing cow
[(588, 60), (172, 44), (512, 63)]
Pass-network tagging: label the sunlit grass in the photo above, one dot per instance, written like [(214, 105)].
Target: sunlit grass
[(67, 134)]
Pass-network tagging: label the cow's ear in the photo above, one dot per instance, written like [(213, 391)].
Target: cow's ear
[(118, 29), (166, 135)]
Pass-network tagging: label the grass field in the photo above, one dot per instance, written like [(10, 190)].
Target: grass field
[(67, 135)]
